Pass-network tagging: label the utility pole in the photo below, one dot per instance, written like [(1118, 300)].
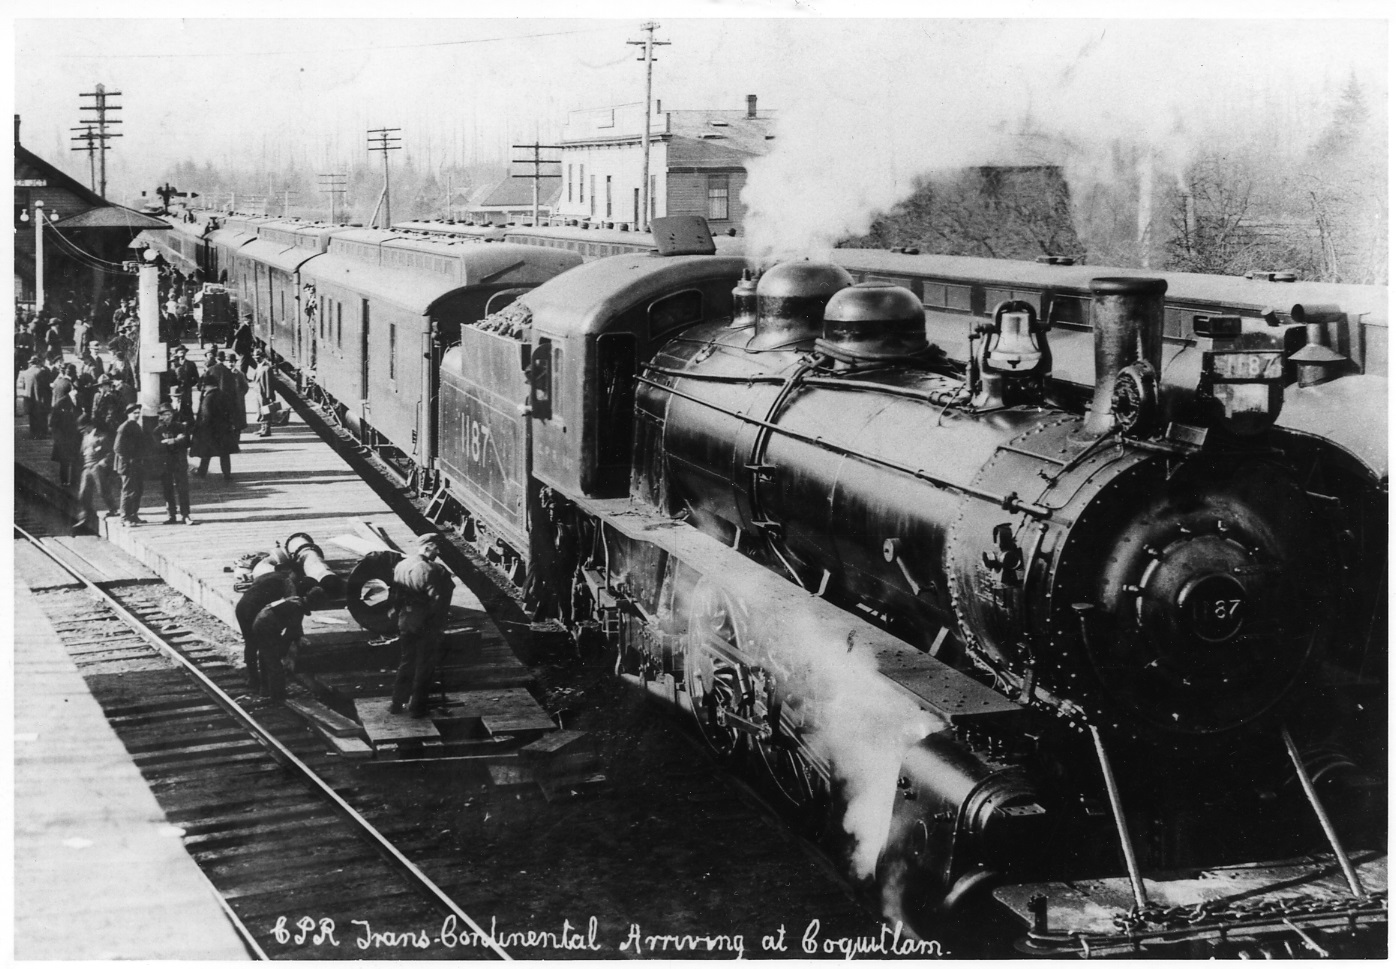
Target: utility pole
[(536, 162), (649, 44), (102, 106), (89, 145), (384, 142), (332, 184)]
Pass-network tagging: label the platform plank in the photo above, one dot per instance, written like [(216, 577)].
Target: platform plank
[(503, 710), (105, 558), (37, 571), (384, 727)]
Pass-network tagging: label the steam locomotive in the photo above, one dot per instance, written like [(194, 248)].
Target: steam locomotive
[(1104, 655), (1084, 661)]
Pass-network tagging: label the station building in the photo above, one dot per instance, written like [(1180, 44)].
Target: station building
[(697, 163), (86, 238), (511, 199)]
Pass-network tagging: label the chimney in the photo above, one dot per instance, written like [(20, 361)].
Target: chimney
[(751, 105), (657, 103), (16, 129)]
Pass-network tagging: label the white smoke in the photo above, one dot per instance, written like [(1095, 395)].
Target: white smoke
[(857, 720), (929, 96)]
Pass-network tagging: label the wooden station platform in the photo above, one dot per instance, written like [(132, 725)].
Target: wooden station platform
[(98, 871), (293, 482)]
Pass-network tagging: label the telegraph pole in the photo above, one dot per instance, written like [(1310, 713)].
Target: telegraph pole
[(332, 185), (536, 162), (89, 145), (385, 142), (102, 106), (649, 44)]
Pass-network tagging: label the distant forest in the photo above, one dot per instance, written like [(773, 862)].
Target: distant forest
[(1236, 207)]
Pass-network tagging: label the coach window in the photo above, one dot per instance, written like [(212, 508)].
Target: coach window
[(675, 311), (338, 325), (541, 380), (392, 351)]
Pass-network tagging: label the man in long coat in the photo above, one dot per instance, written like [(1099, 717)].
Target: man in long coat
[(132, 447)]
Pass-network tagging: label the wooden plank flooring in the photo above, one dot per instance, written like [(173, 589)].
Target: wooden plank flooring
[(86, 820)]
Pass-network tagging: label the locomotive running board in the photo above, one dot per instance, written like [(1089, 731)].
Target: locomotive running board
[(934, 686), (1240, 904)]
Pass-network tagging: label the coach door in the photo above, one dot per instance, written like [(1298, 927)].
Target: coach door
[(363, 351)]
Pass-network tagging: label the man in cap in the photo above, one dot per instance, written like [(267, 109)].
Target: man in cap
[(185, 376), (132, 445), (172, 450), (96, 477), (275, 630), (283, 583), (421, 596)]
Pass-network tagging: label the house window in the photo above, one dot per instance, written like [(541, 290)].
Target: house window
[(592, 210), (717, 196), (581, 183), (652, 213), (608, 196), (569, 183)]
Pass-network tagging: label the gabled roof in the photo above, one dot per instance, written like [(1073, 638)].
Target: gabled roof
[(519, 191), (28, 164), (718, 138), (111, 217)]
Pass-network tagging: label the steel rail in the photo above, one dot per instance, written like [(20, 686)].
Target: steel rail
[(280, 753)]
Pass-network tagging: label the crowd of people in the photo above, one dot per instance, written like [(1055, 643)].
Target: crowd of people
[(86, 402)]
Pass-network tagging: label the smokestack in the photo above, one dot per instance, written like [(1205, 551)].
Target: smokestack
[(1127, 317), (750, 106)]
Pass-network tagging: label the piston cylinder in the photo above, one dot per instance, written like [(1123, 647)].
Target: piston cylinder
[(1127, 319)]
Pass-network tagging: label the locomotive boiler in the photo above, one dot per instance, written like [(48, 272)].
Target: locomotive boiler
[(1150, 602)]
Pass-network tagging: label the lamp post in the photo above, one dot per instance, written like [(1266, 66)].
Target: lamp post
[(38, 257), (153, 358)]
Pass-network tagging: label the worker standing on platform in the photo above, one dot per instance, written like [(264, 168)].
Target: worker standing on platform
[(275, 630), (241, 344), (421, 596), (80, 331), (239, 389), (266, 394), (67, 442), (215, 430), (96, 477), (172, 447), (131, 448), (186, 378), (27, 394), (264, 590)]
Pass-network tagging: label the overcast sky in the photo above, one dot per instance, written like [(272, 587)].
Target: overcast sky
[(228, 90)]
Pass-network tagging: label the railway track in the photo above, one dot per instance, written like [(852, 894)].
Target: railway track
[(307, 862)]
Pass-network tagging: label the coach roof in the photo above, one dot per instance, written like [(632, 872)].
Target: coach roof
[(498, 266)]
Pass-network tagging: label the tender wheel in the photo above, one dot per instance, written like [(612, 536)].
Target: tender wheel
[(713, 674)]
